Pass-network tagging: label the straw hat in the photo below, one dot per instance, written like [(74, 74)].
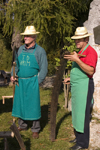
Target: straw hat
[(81, 32), (30, 30)]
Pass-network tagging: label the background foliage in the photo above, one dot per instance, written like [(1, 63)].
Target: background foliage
[(5, 54), (55, 19), (70, 47)]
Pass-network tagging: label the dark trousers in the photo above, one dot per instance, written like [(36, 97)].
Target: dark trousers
[(83, 138)]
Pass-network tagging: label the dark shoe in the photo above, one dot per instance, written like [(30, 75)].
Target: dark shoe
[(76, 147), (20, 129), (35, 135), (73, 141)]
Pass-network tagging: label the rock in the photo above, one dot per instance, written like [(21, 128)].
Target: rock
[(48, 82), (94, 135), (69, 105), (93, 22)]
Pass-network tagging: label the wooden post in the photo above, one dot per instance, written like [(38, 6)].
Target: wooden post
[(14, 64), (18, 136), (54, 98), (65, 92), (49, 110), (3, 97), (6, 144), (5, 135)]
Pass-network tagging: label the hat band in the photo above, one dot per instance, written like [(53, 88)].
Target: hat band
[(82, 34)]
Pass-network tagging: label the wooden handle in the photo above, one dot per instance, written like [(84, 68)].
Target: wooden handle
[(3, 97), (14, 64), (81, 55), (12, 134), (18, 136), (78, 54)]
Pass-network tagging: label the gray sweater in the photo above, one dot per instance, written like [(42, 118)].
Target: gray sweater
[(41, 58)]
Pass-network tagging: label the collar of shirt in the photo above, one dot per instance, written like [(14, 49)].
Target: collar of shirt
[(25, 48)]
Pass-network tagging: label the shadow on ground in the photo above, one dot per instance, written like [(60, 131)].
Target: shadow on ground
[(7, 107), (60, 122), (13, 144)]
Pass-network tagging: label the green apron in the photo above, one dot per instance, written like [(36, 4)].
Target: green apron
[(79, 89), (27, 98)]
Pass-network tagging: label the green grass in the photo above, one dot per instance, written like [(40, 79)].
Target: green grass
[(64, 130)]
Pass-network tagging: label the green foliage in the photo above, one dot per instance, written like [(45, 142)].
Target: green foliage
[(57, 62), (54, 19), (70, 46), (5, 56), (51, 62)]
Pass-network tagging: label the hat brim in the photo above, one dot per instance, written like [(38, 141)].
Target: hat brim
[(80, 36), (30, 33)]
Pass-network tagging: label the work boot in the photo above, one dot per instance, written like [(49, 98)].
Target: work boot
[(35, 135)]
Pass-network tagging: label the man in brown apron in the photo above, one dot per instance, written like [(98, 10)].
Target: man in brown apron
[(82, 87)]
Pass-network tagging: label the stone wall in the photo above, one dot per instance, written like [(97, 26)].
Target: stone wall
[(92, 22)]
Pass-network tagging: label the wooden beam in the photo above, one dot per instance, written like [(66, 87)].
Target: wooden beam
[(6, 134), (18, 136), (3, 97)]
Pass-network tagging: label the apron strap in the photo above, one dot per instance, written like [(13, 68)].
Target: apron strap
[(85, 48)]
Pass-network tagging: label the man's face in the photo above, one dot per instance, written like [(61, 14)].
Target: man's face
[(29, 39), (80, 43)]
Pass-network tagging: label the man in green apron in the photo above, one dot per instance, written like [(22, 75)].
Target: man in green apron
[(31, 69), (82, 86)]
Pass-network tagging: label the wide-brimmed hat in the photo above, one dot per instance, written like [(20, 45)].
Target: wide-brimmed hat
[(81, 32), (30, 30)]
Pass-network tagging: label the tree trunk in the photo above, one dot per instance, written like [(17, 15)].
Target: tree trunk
[(16, 42), (54, 98)]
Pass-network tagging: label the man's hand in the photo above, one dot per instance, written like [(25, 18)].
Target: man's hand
[(86, 68), (12, 79), (66, 81), (73, 57)]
